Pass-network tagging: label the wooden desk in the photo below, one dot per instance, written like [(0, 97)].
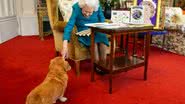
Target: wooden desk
[(115, 64)]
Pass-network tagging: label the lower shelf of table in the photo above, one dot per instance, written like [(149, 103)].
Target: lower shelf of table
[(121, 63)]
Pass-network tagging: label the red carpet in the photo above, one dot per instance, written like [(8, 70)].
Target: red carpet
[(24, 63)]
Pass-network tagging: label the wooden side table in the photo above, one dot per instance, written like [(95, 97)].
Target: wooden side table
[(42, 12), (117, 64)]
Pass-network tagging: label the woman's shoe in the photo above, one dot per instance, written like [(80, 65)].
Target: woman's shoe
[(100, 72)]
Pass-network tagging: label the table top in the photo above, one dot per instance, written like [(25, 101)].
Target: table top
[(121, 29)]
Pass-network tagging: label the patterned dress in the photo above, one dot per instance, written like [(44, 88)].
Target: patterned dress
[(79, 20)]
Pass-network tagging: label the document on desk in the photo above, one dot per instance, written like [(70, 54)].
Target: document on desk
[(116, 25), (139, 25), (107, 25), (97, 24), (84, 32)]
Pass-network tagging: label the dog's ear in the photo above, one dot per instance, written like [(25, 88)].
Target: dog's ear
[(51, 61), (51, 64)]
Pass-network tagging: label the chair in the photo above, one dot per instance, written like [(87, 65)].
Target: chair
[(174, 24), (77, 52)]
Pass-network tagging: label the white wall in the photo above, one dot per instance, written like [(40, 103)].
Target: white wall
[(8, 20), (8, 28), (27, 17), (7, 8), (28, 25), (17, 17)]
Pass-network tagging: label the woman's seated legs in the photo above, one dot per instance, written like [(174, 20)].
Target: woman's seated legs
[(100, 52), (100, 55)]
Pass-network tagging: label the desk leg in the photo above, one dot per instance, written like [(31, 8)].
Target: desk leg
[(135, 45), (146, 51), (121, 41), (92, 56), (126, 45), (111, 61)]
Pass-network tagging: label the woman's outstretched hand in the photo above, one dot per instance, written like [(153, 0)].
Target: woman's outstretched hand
[(64, 51)]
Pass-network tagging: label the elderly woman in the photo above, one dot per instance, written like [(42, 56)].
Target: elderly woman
[(86, 11)]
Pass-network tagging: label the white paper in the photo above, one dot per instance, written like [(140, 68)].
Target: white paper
[(84, 32), (97, 24), (107, 25), (120, 16)]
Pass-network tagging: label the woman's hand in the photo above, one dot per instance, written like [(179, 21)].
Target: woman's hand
[(64, 51)]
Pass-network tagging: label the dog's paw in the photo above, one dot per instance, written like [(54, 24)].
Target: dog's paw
[(63, 99)]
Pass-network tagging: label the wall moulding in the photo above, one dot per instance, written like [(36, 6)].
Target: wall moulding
[(8, 28), (7, 18)]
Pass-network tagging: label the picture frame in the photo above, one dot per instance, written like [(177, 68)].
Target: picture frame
[(158, 17), (137, 15)]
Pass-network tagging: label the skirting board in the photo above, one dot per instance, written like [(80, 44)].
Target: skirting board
[(28, 25), (8, 28)]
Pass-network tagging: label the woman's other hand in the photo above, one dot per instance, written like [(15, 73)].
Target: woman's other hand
[(64, 51)]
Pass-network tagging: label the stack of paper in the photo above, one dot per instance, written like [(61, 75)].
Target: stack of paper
[(97, 24), (115, 25), (84, 32)]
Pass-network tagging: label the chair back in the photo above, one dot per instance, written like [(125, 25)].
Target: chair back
[(65, 7), (52, 11), (171, 14), (59, 12)]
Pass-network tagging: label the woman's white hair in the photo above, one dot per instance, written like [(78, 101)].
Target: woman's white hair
[(92, 3)]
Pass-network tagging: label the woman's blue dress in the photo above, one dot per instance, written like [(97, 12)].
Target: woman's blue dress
[(79, 20)]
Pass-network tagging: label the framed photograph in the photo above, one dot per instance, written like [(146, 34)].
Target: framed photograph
[(137, 15), (153, 13)]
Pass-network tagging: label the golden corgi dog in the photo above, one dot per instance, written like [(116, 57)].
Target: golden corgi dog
[(53, 86)]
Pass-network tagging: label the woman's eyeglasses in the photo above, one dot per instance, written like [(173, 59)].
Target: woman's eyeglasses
[(87, 12)]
